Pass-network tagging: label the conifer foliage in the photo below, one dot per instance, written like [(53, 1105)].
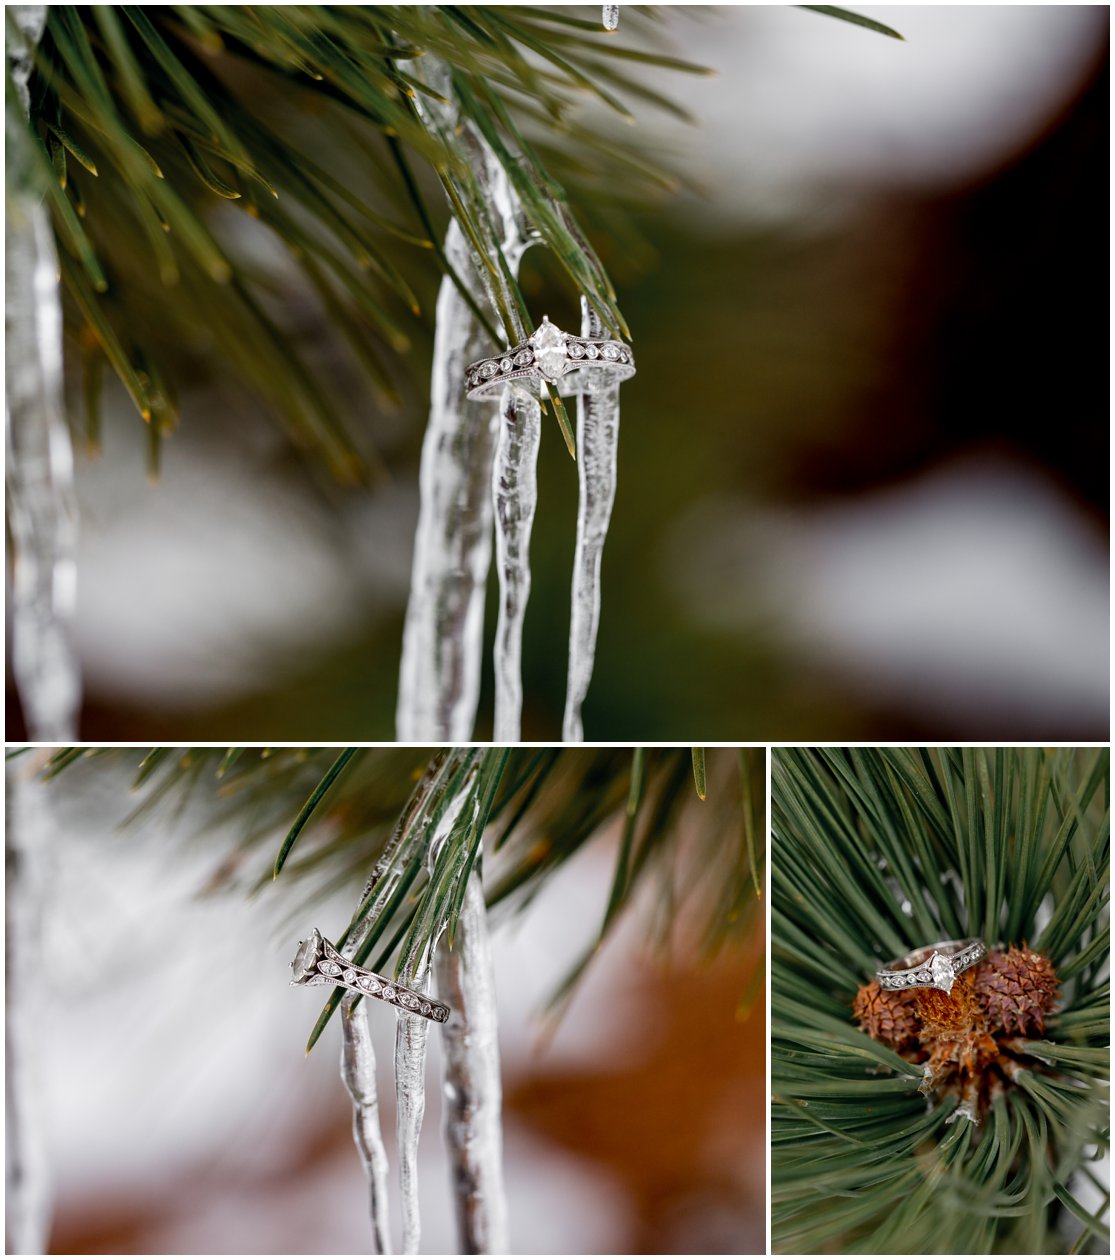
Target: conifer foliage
[(920, 1121)]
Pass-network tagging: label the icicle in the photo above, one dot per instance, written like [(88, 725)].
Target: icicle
[(515, 496), (27, 1179), (410, 1108), (610, 18), (439, 678), (472, 1080), (358, 1071), (597, 445), (412, 1031), (42, 514)]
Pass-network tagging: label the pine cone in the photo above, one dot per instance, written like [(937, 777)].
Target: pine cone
[(887, 1016), (1017, 989), (950, 1015)]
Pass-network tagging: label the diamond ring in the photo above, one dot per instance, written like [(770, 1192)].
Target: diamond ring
[(932, 967), (318, 962), (576, 365)]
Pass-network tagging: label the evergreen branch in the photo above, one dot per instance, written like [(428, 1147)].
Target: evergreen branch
[(870, 847), (170, 108)]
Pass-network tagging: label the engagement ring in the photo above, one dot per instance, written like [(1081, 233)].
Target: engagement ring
[(318, 962), (933, 967), (575, 365)]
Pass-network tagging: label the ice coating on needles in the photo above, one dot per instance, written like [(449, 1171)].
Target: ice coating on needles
[(439, 677), (412, 1031)]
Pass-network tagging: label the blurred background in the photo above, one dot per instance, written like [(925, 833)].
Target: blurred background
[(181, 1114), (864, 465)]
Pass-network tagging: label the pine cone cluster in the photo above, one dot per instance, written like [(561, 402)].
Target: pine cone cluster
[(1017, 989), (969, 1040), (887, 1016)]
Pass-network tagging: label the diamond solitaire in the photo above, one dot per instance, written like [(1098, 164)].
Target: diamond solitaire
[(933, 967)]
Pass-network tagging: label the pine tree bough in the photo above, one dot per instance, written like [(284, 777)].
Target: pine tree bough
[(41, 508)]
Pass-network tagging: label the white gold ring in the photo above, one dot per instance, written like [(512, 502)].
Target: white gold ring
[(318, 962), (575, 365), (933, 966)]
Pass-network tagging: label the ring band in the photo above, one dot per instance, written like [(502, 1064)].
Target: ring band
[(576, 365), (318, 962), (932, 966)]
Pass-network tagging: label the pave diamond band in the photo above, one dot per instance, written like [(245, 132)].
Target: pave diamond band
[(318, 962), (933, 966), (573, 364)]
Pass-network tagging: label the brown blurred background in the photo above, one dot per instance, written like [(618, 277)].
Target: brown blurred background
[(864, 466)]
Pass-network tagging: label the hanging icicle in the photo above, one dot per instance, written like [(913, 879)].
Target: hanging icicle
[(610, 18), (27, 830), (439, 679), (41, 508), (473, 1122), (358, 1072), (412, 1032), (515, 497), (410, 1108), (597, 447)]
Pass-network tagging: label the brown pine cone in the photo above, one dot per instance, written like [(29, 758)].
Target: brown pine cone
[(950, 1015), (887, 1016), (1017, 989)]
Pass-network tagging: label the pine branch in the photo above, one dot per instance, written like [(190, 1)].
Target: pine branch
[(875, 852), (362, 819), (156, 126)]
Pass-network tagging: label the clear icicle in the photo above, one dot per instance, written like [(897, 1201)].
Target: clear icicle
[(514, 497), (610, 18), (412, 1031), (597, 446), (439, 678), (41, 508), (358, 1072), (27, 1179), (472, 1080), (410, 1107)]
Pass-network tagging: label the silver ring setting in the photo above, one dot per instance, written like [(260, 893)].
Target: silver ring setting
[(575, 365), (933, 966), (318, 962)]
